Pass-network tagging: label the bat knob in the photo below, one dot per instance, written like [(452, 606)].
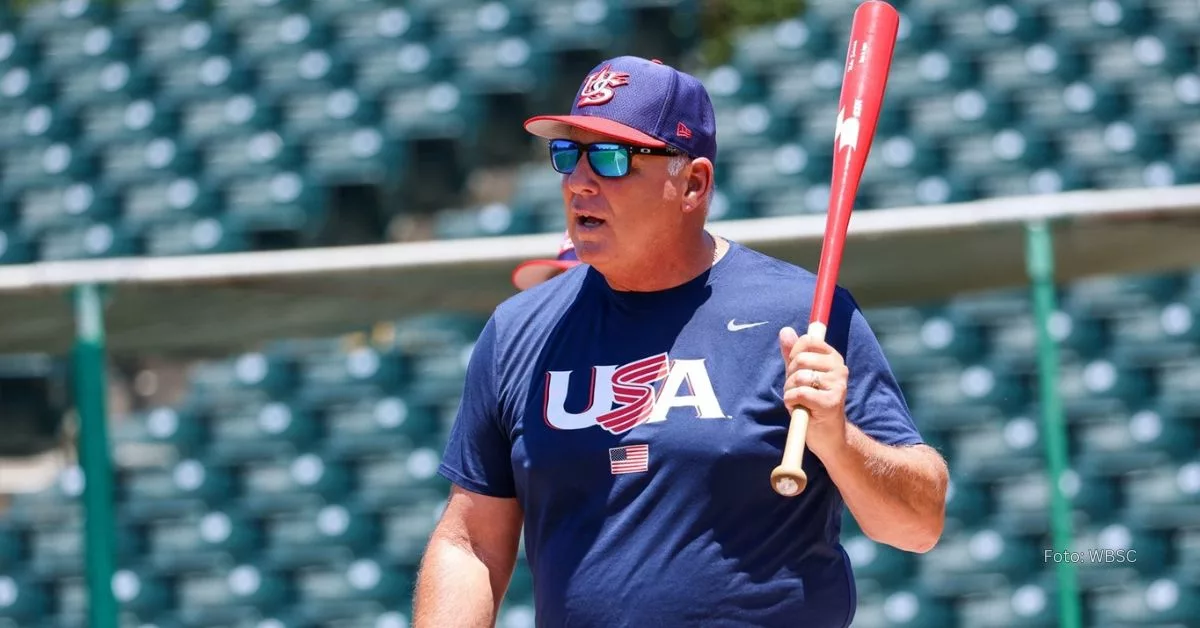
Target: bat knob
[(788, 482)]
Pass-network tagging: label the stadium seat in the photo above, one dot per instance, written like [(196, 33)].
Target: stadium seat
[(22, 599), (1151, 601), (968, 503), (123, 119), (81, 43), (179, 39), (313, 537), (291, 483), (180, 431), (167, 199), (465, 23), (194, 541), (1115, 553), (1125, 443), (86, 241), (377, 424), (125, 162), (174, 491), (194, 236), (155, 12), (999, 25), (16, 50), (141, 593), (1023, 500), (907, 606), (978, 560), (222, 115), (398, 478), (299, 70), (359, 27), (1164, 495), (795, 42), (58, 549), (61, 206), (877, 564), (494, 219), (268, 199), (237, 10), (1032, 603), (591, 25), (229, 596), (260, 430), (436, 111), (398, 64), (407, 526), (23, 85), (353, 155), (196, 76), (326, 588)]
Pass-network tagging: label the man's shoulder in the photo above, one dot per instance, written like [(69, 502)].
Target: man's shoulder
[(541, 304), (780, 281)]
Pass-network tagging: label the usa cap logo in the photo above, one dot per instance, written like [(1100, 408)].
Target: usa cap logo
[(598, 87)]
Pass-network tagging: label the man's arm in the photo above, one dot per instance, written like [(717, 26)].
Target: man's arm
[(897, 494), (468, 563)]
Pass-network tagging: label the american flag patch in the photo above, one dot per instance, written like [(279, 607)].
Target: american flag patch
[(629, 459)]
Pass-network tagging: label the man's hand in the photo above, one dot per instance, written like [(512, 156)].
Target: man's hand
[(816, 379)]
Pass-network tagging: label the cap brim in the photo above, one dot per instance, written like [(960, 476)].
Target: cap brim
[(529, 274), (555, 127)]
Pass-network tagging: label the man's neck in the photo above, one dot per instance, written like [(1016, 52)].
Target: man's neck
[(666, 272)]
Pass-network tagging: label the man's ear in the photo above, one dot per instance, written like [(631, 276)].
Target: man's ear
[(699, 181)]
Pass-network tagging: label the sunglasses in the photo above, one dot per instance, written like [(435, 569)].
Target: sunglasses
[(607, 159)]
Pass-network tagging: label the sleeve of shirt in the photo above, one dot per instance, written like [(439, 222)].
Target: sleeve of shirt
[(478, 451), (874, 400)]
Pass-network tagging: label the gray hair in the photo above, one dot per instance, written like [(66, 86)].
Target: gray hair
[(675, 164)]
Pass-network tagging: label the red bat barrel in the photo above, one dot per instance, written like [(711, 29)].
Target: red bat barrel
[(868, 61)]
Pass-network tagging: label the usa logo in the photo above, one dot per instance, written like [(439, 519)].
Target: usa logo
[(624, 396), (598, 87)]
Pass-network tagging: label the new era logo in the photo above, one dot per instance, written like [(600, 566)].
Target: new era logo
[(629, 459), (682, 131)]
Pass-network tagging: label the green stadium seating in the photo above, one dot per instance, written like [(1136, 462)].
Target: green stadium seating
[(176, 545), (488, 220), (1032, 603), (1157, 601), (22, 599), (909, 606)]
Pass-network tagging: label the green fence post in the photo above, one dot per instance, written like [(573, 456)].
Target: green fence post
[(1040, 266), (91, 404)]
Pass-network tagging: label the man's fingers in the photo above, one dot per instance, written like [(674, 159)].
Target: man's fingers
[(787, 342), (810, 398), (813, 361), (809, 344)]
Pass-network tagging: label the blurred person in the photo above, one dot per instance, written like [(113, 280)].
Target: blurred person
[(534, 272), (627, 415)]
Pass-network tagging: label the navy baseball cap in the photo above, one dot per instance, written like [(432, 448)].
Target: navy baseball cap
[(641, 102), (533, 272)]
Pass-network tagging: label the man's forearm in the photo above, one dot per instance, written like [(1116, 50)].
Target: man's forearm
[(897, 494), (457, 589)]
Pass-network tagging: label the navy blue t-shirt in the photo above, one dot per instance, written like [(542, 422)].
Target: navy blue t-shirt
[(639, 430)]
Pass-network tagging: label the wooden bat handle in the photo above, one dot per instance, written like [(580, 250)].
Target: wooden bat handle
[(788, 479)]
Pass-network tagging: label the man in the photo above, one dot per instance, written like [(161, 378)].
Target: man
[(629, 413), (533, 272)]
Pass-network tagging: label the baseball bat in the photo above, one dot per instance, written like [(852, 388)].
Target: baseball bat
[(868, 61)]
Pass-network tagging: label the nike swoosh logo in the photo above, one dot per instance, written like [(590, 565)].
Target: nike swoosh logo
[(732, 326)]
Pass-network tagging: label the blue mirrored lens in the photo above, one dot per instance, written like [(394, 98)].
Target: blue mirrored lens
[(564, 156), (609, 160)]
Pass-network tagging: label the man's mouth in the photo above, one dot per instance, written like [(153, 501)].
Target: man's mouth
[(586, 221)]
